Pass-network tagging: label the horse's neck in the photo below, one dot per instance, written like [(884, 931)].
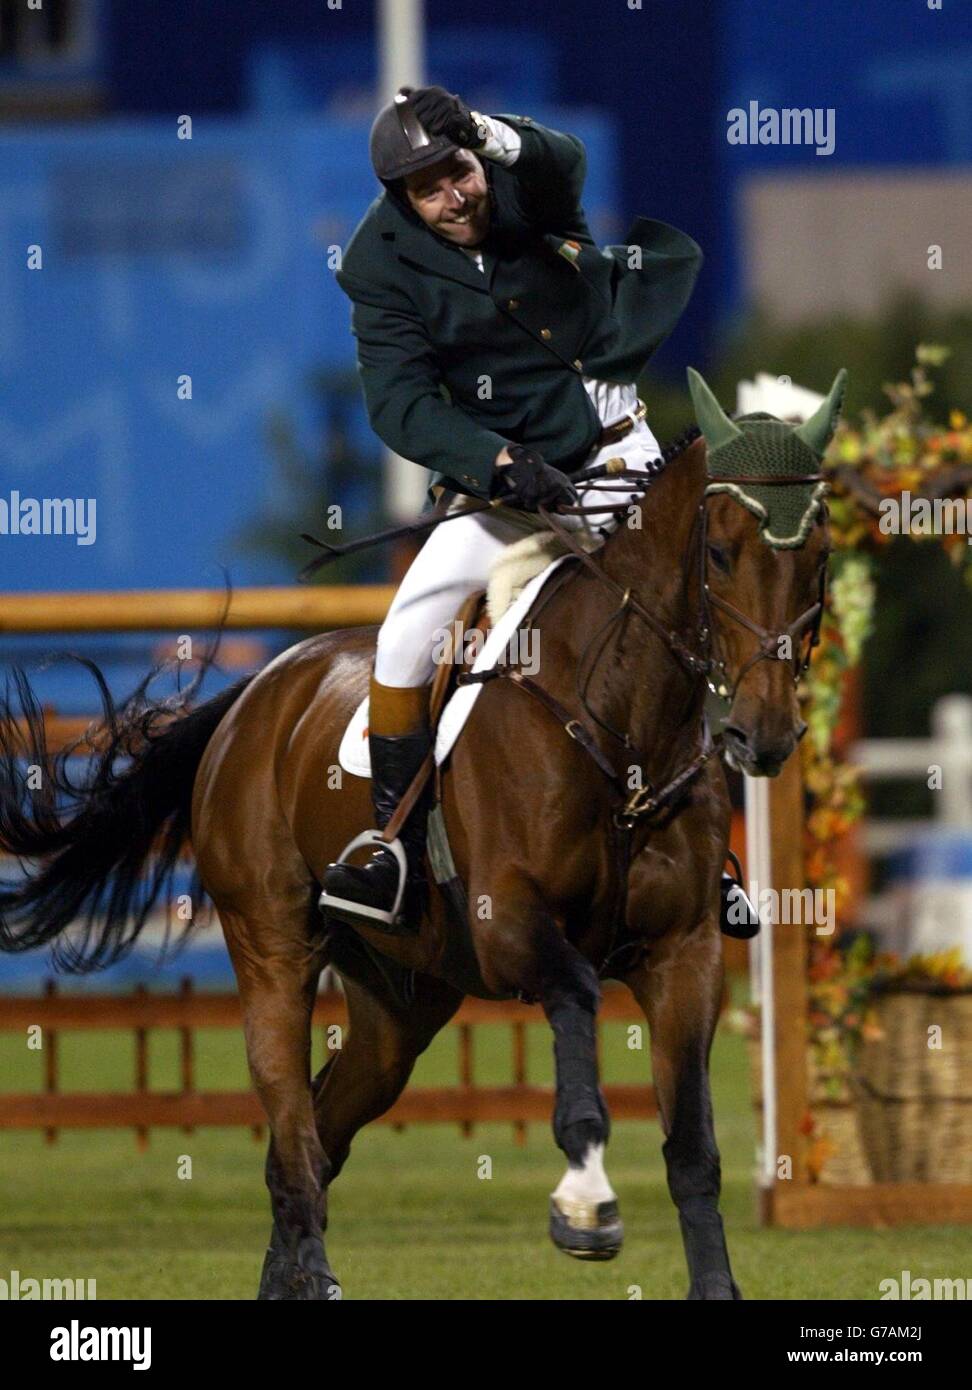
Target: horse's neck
[(656, 559), (639, 686)]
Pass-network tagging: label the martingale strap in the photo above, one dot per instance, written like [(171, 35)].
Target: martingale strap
[(572, 726), (643, 801)]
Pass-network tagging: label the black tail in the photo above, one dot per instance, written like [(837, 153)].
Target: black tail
[(106, 845)]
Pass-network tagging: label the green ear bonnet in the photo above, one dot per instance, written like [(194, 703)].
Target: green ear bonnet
[(744, 452)]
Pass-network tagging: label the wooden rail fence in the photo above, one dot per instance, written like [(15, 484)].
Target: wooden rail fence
[(312, 606), (468, 1103)]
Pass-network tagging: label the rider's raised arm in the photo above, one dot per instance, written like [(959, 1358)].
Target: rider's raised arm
[(549, 169), (403, 389)]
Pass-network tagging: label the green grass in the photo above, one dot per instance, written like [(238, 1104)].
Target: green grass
[(410, 1218)]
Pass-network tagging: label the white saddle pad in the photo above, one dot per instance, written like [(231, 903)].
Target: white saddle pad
[(354, 755)]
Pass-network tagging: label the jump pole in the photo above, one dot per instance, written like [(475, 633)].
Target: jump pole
[(759, 864), (401, 63)]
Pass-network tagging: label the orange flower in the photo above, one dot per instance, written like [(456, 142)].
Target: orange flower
[(819, 1151)]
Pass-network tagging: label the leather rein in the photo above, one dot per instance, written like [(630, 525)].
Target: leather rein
[(699, 660)]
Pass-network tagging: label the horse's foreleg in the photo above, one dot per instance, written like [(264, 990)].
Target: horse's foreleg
[(584, 1219), (277, 996), (680, 992)]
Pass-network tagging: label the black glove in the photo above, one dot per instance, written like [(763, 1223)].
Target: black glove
[(443, 113), (528, 482)]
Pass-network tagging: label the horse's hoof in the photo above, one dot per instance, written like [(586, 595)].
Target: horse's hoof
[(302, 1276), (284, 1282), (586, 1230), (711, 1288)]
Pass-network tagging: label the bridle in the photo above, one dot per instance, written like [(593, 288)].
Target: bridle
[(699, 661), (699, 658), (702, 659), (773, 646)]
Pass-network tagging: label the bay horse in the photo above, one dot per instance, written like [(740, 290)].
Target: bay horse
[(580, 876)]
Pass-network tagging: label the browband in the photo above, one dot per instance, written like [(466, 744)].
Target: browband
[(768, 482)]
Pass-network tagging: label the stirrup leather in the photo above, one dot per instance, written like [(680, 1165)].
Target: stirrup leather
[(390, 918)]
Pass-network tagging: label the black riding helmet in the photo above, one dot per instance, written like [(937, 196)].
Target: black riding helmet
[(401, 145)]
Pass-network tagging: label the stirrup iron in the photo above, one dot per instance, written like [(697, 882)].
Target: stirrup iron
[(732, 893), (391, 920)]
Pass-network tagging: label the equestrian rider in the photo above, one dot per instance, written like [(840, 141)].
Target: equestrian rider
[(499, 347)]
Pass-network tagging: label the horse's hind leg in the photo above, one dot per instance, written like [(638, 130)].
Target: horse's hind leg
[(368, 1073), (277, 968), (680, 991)]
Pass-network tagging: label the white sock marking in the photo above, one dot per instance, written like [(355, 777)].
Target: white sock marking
[(588, 1183)]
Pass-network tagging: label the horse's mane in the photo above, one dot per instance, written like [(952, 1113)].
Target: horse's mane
[(678, 446)]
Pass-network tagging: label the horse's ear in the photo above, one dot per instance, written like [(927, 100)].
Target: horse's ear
[(709, 414), (819, 429)]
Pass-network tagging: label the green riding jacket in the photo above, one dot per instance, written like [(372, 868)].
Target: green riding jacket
[(456, 362)]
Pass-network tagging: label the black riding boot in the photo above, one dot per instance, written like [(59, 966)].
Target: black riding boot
[(374, 884)]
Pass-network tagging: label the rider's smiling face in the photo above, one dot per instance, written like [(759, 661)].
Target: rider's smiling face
[(452, 198)]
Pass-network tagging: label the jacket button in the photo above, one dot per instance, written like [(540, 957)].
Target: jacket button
[(512, 304), (578, 364), (545, 333)]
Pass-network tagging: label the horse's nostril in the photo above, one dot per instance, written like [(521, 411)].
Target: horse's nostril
[(736, 735)]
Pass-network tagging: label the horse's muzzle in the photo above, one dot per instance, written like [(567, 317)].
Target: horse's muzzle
[(758, 754)]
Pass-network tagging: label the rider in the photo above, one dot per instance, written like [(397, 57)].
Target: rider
[(498, 346)]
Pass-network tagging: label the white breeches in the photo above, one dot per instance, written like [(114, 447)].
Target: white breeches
[(455, 561)]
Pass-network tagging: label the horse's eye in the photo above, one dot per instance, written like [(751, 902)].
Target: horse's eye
[(719, 557)]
